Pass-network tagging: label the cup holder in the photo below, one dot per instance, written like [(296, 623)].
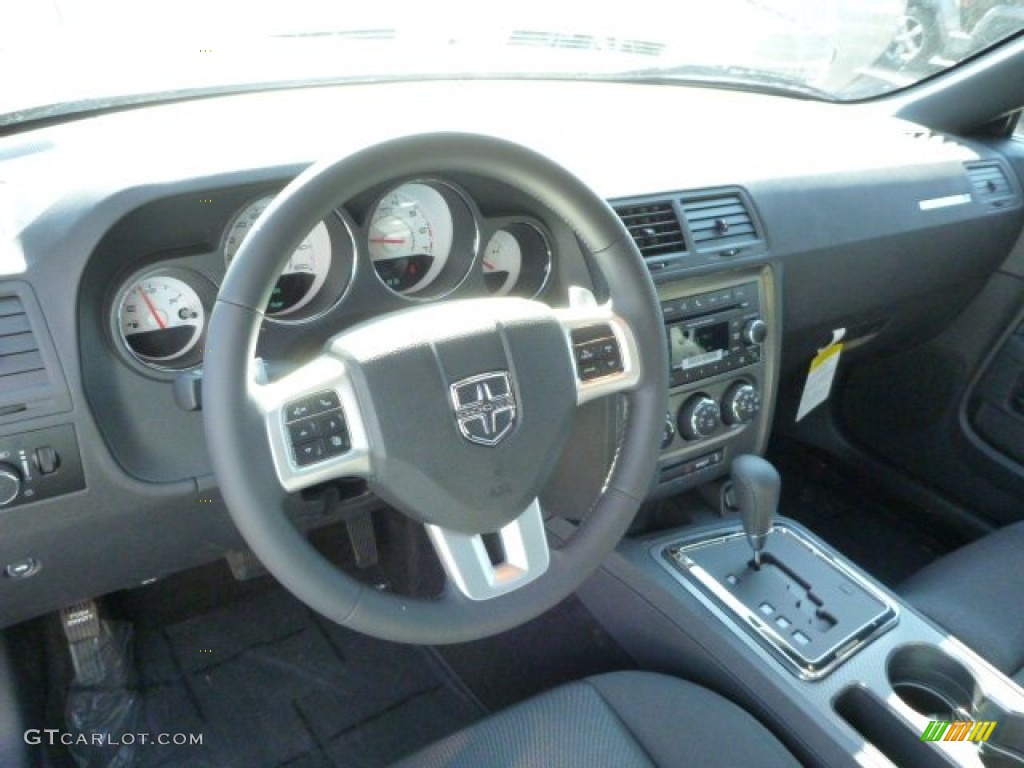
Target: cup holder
[(933, 683)]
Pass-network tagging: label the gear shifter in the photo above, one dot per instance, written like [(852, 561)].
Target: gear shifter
[(756, 485)]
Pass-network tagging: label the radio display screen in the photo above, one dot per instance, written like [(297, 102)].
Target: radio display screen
[(691, 347)]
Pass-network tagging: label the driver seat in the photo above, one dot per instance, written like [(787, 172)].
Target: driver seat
[(621, 719)]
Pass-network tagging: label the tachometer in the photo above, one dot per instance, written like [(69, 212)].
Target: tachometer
[(304, 274), (411, 234), (160, 319)]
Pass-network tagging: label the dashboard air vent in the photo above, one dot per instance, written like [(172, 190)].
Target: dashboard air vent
[(990, 184), (21, 364), (719, 221), (654, 227)]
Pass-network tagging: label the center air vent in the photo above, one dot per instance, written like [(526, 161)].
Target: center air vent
[(654, 227), (990, 184), (719, 221)]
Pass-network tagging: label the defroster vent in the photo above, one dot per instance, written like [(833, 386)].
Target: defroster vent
[(654, 227), (719, 221)]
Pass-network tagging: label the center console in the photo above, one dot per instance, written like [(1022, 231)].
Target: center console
[(723, 336), (768, 614)]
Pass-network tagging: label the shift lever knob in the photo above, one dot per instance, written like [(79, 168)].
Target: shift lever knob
[(756, 485)]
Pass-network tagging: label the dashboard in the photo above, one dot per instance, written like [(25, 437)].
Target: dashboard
[(118, 229)]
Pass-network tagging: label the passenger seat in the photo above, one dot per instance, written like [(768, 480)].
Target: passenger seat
[(977, 593)]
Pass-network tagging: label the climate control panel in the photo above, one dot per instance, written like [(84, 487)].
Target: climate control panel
[(702, 416)]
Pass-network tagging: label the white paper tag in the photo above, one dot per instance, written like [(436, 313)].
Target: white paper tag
[(821, 375)]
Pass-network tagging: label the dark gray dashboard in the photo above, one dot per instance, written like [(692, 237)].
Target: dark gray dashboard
[(863, 221)]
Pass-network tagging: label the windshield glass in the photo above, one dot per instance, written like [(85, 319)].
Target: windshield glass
[(63, 56)]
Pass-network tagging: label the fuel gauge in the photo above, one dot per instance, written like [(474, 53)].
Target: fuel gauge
[(516, 261)]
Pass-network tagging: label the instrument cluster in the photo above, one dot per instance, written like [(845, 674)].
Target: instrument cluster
[(420, 240)]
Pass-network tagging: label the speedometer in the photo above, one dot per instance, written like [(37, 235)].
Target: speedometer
[(304, 274), (411, 234)]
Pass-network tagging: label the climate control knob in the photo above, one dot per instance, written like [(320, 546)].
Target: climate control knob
[(10, 483), (699, 417), (755, 331), (669, 433), (741, 403)]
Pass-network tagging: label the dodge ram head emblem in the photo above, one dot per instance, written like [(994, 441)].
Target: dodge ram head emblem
[(485, 407)]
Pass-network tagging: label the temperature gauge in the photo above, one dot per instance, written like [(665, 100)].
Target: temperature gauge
[(160, 319)]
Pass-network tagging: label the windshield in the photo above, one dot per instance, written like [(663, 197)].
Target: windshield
[(64, 56)]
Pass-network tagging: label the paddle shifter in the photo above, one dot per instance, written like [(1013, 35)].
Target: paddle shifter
[(756, 485)]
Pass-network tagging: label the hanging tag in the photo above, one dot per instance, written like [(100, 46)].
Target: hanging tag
[(821, 374)]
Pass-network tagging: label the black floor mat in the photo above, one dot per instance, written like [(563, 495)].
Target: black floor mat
[(269, 684), (883, 536)]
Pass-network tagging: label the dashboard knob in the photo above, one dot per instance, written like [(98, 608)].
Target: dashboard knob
[(699, 417), (741, 403), (10, 483), (755, 331), (669, 433)]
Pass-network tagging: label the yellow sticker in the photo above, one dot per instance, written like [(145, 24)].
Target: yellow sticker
[(819, 378)]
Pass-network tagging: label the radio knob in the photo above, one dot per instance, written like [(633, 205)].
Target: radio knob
[(10, 483), (699, 417), (755, 331), (741, 403)]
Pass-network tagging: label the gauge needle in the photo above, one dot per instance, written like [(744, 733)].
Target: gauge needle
[(152, 309), (388, 240), (488, 264)]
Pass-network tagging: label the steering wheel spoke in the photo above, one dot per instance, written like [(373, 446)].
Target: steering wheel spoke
[(516, 555), (314, 425), (602, 346)]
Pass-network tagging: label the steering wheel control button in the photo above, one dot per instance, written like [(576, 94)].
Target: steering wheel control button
[(300, 409), (331, 424), (597, 353), (316, 428), (336, 444), (303, 431), (309, 453)]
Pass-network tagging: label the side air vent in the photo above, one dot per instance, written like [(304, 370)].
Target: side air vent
[(30, 380), (990, 184), (21, 364), (654, 227), (719, 221)]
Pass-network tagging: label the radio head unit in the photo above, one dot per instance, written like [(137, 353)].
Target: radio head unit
[(711, 333)]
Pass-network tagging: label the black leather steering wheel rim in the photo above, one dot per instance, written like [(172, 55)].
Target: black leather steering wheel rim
[(236, 436)]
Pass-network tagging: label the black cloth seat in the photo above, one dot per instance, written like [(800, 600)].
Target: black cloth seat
[(618, 720), (977, 593)]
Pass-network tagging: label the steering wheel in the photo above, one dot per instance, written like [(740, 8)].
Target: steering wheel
[(497, 382)]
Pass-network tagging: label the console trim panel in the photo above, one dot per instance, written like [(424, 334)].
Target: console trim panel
[(675, 558)]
